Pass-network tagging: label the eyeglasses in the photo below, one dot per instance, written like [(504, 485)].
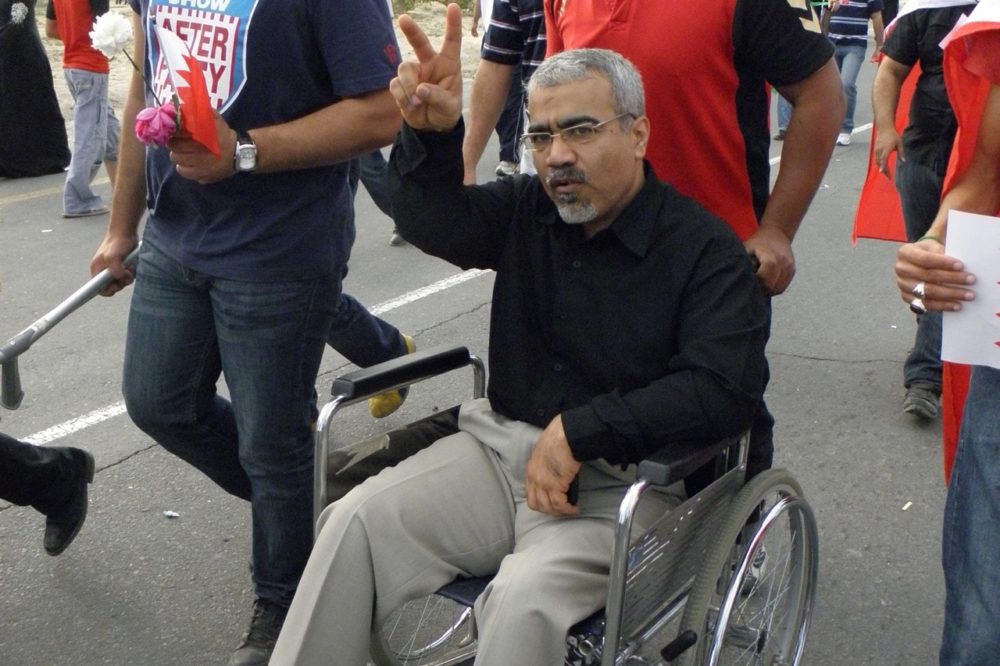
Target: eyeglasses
[(573, 136)]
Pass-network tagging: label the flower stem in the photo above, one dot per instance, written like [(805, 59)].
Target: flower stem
[(139, 71)]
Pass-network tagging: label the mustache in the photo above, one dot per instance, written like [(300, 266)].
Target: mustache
[(564, 175)]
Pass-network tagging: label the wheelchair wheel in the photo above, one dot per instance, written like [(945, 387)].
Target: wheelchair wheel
[(752, 600), (428, 631)]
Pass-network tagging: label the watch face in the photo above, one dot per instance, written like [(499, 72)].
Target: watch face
[(247, 158)]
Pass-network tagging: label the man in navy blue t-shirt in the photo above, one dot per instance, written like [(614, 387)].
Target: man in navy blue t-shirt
[(242, 253)]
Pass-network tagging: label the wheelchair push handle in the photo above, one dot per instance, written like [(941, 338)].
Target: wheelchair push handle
[(11, 392), (400, 372)]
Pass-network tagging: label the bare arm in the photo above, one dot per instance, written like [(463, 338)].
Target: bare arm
[(976, 191), (818, 103), (52, 29), (129, 198), (324, 137), (885, 99), (486, 101), (878, 27), (329, 135)]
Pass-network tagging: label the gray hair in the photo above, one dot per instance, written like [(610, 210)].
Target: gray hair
[(582, 64)]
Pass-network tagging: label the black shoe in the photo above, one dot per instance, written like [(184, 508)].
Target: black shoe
[(258, 643), (922, 400), (62, 526)]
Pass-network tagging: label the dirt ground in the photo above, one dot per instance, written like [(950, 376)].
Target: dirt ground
[(429, 15)]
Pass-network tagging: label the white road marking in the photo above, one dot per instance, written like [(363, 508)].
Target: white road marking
[(79, 423), (76, 425)]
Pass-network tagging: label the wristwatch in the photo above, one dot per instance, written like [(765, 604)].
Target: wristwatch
[(245, 157)]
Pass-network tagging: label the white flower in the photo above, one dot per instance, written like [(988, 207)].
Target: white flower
[(112, 33), (18, 12)]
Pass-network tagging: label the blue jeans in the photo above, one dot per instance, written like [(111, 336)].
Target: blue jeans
[(95, 138), (920, 194), (267, 339), (784, 113), (971, 541), (849, 58), (361, 337)]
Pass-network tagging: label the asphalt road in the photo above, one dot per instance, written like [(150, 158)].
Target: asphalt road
[(138, 587)]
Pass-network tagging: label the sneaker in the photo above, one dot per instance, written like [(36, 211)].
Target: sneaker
[(397, 238), (386, 403), (62, 526), (506, 169), (844, 139), (780, 136), (258, 643), (100, 210), (922, 400)]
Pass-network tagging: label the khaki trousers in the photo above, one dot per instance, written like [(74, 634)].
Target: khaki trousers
[(458, 508)]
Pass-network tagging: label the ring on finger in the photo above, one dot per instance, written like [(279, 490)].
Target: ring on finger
[(917, 306), (919, 290)]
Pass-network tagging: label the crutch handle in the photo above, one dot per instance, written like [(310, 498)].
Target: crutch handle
[(10, 378)]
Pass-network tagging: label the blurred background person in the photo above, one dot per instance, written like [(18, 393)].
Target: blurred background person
[(846, 24), (32, 129), (923, 151), (95, 126)]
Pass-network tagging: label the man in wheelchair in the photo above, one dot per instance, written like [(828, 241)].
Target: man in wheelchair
[(624, 317)]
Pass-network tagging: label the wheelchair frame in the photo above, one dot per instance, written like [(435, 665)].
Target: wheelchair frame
[(654, 581)]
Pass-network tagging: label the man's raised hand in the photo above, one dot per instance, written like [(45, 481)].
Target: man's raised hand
[(429, 91)]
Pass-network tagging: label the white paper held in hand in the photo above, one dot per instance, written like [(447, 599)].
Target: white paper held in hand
[(972, 335)]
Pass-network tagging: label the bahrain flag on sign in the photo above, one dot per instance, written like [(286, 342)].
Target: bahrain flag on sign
[(971, 67), (197, 117)]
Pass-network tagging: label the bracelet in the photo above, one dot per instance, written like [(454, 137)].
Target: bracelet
[(930, 237)]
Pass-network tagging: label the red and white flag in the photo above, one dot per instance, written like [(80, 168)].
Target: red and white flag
[(188, 80)]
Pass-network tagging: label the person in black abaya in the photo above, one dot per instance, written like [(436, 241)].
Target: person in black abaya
[(32, 129)]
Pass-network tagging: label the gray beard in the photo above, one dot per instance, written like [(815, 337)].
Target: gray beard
[(576, 212), (571, 209)]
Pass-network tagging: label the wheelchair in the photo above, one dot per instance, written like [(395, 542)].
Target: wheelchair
[(727, 577)]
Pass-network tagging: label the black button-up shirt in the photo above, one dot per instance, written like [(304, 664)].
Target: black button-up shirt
[(651, 331)]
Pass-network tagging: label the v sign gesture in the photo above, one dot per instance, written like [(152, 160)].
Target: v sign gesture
[(429, 91)]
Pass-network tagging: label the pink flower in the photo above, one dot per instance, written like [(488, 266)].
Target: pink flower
[(154, 125)]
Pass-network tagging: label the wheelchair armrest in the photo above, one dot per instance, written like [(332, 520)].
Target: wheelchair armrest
[(401, 371), (678, 460)]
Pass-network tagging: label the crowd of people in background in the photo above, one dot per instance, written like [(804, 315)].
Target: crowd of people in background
[(222, 270)]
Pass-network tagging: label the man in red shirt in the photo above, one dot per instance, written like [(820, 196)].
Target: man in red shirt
[(95, 126), (706, 67)]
